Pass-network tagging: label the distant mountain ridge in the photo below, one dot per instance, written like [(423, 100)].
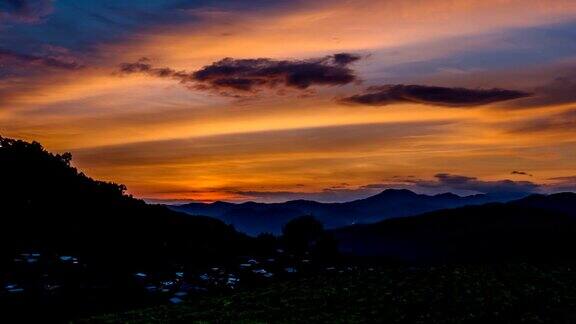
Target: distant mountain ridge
[(255, 218)]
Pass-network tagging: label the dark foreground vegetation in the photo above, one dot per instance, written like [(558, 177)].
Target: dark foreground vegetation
[(72, 246), (513, 293)]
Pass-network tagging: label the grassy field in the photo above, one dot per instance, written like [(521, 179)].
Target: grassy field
[(444, 294)]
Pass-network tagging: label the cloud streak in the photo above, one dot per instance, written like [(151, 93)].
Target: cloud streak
[(553, 123), (521, 173), (9, 58), (431, 95), (251, 75)]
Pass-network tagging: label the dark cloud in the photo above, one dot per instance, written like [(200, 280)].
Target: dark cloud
[(9, 58), (24, 10), (521, 173), (345, 58), (439, 96), (501, 188), (330, 70), (250, 75)]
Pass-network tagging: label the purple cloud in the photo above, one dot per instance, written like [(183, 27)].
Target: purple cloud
[(559, 122), (498, 187), (8, 57), (438, 96)]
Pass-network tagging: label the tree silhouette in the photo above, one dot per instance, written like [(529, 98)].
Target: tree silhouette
[(306, 234)]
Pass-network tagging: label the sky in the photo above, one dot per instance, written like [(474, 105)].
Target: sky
[(277, 100)]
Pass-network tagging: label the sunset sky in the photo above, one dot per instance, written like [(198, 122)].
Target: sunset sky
[(277, 100)]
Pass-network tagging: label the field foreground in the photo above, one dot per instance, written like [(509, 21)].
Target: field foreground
[(518, 293)]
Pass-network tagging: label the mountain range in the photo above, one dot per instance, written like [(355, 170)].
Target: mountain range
[(255, 218)]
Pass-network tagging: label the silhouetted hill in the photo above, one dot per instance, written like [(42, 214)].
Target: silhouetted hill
[(47, 205), (254, 218), (564, 202), (534, 228)]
